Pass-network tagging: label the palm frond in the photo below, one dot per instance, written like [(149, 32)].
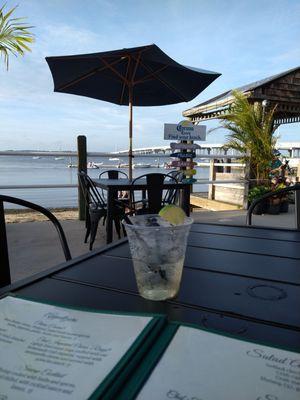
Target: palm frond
[(15, 35), (251, 131)]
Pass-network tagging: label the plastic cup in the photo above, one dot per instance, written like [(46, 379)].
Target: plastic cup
[(158, 255)]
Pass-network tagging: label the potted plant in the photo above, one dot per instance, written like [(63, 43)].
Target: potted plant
[(255, 193), (280, 202)]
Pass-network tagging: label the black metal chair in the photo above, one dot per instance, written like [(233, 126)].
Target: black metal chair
[(96, 209), (5, 278), (173, 195), (278, 193), (154, 197), (176, 174), (113, 174)]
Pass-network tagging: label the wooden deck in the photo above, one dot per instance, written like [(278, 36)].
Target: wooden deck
[(201, 200)]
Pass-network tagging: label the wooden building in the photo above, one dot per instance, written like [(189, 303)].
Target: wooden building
[(282, 89)]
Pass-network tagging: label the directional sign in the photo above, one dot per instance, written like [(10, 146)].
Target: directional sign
[(184, 146), (185, 130), (189, 180), (188, 172), (191, 154), (181, 163)]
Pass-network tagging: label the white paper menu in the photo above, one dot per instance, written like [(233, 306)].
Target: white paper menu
[(199, 365), (49, 352)]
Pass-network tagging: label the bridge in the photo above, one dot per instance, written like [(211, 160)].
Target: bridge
[(290, 149)]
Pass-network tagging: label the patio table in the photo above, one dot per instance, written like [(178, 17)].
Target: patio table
[(239, 280), (113, 186)]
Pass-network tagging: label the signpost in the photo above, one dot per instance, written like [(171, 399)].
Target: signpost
[(185, 150), (185, 130)]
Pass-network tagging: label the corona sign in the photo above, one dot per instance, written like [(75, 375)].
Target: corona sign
[(185, 130)]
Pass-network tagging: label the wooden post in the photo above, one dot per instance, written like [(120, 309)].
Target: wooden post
[(212, 177), (297, 208), (5, 271), (130, 90), (228, 169), (246, 185), (82, 166), (298, 173)]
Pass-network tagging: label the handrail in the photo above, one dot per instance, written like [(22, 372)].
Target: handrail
[(44, 186), (268, 195), (107, 155)]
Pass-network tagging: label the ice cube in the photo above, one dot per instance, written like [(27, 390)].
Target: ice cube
[(148, 220)]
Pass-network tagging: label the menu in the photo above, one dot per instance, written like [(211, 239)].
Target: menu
[(50, 352), (200, 365), (54, 352)]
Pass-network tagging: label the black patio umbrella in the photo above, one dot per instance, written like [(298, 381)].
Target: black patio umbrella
[(138, 76)]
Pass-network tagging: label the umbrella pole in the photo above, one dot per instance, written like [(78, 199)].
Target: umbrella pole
[(130, 132)]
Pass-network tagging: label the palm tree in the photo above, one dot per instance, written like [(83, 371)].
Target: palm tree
[(14, 35), (251, 132)]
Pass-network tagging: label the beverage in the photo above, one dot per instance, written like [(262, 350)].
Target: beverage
[(158, 250)]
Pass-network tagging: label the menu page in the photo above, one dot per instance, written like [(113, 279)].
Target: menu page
[(199, 365), (50, 352)]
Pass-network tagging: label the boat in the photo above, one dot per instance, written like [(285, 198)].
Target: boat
[(72, 166), (141, 165), (114, 159), (93, 165), (36, 157), (168, 166), (59, 158)]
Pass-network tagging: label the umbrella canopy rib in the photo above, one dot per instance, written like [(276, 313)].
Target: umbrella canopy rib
[(124, 84), (130, 81), (85, 76), (110, 66), (151, 75), (154, 74), (138, 60)]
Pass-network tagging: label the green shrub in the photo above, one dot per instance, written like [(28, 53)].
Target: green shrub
[(257, 192)]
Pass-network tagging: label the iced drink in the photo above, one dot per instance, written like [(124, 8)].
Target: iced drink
[(158, 250)]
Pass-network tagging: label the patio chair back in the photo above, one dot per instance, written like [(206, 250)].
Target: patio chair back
[(279, 194), (113, 174), (173, 194), (5, 277), (95, 206), (154, 196), (91, 194), (176, 174)]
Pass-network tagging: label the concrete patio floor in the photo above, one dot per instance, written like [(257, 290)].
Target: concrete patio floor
[(34, 246)]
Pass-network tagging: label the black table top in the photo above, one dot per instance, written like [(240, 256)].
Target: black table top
[(241, 280)]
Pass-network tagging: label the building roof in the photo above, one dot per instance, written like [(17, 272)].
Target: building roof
[(255, 90)]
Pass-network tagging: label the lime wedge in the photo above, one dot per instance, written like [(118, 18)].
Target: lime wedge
[(173, 214)]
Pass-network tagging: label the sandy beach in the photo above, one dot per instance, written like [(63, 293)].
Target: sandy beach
[(19, 216)]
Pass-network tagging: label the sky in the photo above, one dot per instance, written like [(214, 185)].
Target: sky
[(243, 40)]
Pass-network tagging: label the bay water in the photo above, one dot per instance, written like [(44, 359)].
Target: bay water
[(26, 170)]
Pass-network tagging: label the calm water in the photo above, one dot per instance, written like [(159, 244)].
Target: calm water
[(17, 170)]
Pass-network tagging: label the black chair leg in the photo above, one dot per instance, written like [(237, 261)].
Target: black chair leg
[(94, 226), (118, 227), (88, 228)]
